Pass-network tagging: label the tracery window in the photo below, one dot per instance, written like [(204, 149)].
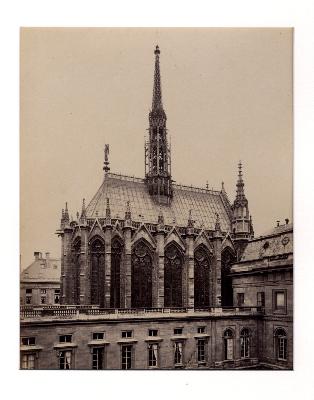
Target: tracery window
[(245, 342), (201, 277), (227, 258), (281, 344), (116, 254), (141, 280), (97, 272), (173, 276), (228, 339)]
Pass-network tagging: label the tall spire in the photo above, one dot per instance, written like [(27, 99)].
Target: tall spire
[(83, 213), (157, 101), (157, 151)]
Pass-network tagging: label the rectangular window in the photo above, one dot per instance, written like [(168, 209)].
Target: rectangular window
[(28, 341), (240, 299), (201, 351), (126, 334), (178, 331), (65, 359), (43, 300), (28, 300), (261, 299), (153, 355), (57, 296), (152, 332), (28, 361), (43, 291), (228, 348), (65, 338), (98, 335), (280, 300), (126, 356), (98, 358), (282, 348), (201, 329), (29, 291), (178, 353), (245, 347)]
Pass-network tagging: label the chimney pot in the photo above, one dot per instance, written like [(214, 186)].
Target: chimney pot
[(287, 221), (36, 255), (278, 222)]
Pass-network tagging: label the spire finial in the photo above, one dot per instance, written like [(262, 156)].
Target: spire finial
[(157, 51), (240, 184), (66, 213), (106, 167)]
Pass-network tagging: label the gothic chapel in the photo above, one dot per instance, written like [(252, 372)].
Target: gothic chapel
[(146, 243)]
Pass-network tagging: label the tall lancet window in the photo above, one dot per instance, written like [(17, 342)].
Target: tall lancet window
[(97, 272), (116, 254), (201, 277), (76, 263), (173, 276), (141, 280), (227, 258)]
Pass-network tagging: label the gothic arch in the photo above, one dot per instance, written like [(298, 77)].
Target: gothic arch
[(116, 258), (202, 261), (141, 278), (97, 270), (228, 257), (173, 274), (76, 266)]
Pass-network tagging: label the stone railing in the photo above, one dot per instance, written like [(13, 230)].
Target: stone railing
[(84, 311)]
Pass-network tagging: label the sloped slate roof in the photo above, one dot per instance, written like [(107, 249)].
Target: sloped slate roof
[(42, 270), (278, 241), (120, 189)]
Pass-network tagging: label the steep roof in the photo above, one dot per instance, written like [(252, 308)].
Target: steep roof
[(119, 189), (42, 270), (278, 241)]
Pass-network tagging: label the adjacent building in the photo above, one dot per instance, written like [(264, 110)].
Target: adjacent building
[(40, 281)]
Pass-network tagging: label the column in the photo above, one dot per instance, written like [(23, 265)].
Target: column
[(127, 268), (190, 266), (84, 281), (216, 273)]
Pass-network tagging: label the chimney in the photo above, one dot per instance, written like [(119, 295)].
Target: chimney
[(47, 256), (287, 221), (36, 255), (278, 222)]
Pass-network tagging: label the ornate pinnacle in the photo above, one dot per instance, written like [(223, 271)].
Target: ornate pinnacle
[(190, 220), (66, 217), (83, 213), (160, 217), (217, 223), (240, 184), (106, 167), (128, 212), (108, 212)]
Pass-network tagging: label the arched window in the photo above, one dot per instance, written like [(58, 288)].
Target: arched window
[(245, 342), (281, 344), (228, 339), (227, 258), (97, 272), (141, 280), (116, 254), (76, 262), (201, 277), (173, 276)]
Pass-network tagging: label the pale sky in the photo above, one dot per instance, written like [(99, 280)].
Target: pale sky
[(227, 94)]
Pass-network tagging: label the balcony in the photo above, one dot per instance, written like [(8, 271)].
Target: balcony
[(91, 312)]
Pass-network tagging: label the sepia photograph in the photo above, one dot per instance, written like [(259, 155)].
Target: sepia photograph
[(156, 207)]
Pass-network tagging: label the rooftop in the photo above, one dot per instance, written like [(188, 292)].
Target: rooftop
[(120, 189), (42, 269)]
